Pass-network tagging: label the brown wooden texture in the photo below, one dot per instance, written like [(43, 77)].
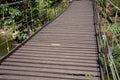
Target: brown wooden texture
[(65, 49)]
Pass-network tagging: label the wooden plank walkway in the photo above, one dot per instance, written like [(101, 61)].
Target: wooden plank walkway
[(64, 50)]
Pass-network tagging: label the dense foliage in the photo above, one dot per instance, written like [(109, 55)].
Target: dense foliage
[(25, 17)]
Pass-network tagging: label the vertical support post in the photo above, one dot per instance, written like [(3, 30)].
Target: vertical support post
[(116, 15), (54, 9), (30, 2), (26, 16), (106, 51), (62, 5), (48, 12)]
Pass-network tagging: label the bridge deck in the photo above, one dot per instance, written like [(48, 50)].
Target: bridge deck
[(63, 50)]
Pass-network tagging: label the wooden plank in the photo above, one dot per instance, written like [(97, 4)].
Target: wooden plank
[(66, 38), (70, 45), (51, 66), (19, 77), (58, 45), (29, 52), (52, 62), (59, 32), (59, 56), (73, 29), (59, 52), (47, 43), (47, 70), (58, 41), (51, 75), (64, 41), (32, 57), (50, 50)]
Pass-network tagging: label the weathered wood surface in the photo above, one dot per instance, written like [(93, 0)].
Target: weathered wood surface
[(64, 50)]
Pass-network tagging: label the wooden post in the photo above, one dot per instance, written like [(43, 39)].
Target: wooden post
[(26, 16)]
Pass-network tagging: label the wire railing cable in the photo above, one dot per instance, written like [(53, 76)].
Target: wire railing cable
[(9, 4)]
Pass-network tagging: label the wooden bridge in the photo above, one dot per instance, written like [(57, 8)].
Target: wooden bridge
[(65, 49)]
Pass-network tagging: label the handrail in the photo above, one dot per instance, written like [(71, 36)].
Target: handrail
[(9, 4), (107, 50), (96, 18), (116, 7)]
